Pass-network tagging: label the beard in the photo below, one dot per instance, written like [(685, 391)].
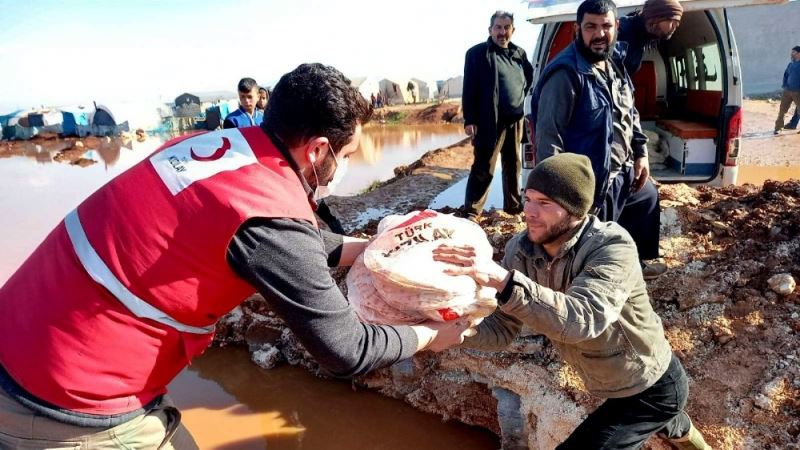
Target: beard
[(321, 173), (553, 232), (591, 55)]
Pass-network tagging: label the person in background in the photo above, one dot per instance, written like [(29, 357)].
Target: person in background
[(263, 98), (577, 280), (583, 103), (657, 21), (247, 115), (497, 75), (791, 88), (792, 125), (117, 300)]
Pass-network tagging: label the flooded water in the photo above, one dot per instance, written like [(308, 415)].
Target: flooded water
[(758, 174), (229, 403), (37, 188)]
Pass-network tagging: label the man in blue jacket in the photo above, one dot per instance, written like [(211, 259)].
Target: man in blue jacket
[(247, 115), (583, 103), (791, 88)]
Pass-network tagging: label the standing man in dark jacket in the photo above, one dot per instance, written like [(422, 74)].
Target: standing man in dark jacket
[(657, 21), (497, 74), (583, 103), (791, 88)]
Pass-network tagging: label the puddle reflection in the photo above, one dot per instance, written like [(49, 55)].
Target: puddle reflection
[(229, 403)]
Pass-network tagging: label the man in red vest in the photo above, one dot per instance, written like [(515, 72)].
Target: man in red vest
[(126, 290)]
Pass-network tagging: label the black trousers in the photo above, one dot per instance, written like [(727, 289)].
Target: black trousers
[(627, 423), (480, 175), (638, 212)]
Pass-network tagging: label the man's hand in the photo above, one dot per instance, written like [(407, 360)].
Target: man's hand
[(439, 336), (470, 129), (641, 172), (485, 272)]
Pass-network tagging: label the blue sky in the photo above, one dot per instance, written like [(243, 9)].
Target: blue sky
[(61, 52)]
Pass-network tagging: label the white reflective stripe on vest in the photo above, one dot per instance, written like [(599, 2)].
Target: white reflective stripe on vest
[(99, 271)]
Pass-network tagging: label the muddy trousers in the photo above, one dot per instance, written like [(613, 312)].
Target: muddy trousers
[(787, 98), (638, 212), (482, 171), (627, 423), (24, 429)]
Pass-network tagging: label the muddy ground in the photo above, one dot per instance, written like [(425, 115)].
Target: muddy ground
[(759, 146)]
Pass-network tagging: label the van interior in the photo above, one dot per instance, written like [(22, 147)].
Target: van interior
[(679, 93)]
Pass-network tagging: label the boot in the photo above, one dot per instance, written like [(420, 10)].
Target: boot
[(692, 441)]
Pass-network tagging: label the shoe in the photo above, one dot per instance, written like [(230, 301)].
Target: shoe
[(776, 132), (653, 269), (789, 128), (692, 441), (469, 215)]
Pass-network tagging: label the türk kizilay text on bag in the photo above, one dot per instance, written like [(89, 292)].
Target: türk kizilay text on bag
[(396, 280)]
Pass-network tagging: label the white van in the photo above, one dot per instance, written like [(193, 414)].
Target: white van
[(688, 90)]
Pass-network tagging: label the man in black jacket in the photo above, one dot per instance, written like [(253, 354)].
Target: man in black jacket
[(497, 74)]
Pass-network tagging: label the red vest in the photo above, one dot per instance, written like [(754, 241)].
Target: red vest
[(163, 229)]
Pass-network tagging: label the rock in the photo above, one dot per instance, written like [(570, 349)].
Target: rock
[(670, 222), (267, 357), (783, 284), (762, 402)]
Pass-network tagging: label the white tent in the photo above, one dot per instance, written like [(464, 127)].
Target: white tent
[(367, 86), (395, 91), (452, 87), (428, 91)]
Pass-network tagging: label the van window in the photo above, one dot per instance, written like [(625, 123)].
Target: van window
[(699, 68)]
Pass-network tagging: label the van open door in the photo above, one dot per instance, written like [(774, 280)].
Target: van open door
[(688, 90), (548, 11)]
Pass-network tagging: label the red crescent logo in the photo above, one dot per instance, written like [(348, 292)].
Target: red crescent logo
[(218, 153)]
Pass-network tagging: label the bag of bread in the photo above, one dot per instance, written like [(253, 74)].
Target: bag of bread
[(396, 280)]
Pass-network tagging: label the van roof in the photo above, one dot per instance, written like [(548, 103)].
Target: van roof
[(547, 11)]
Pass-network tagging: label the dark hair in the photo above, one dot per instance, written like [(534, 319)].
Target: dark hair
[(316, 100), (796, 48), (247, 84), (502, 15), (596, 7)]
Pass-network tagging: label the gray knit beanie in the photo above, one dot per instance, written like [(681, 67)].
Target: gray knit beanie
[(568, 179), (662, 9)]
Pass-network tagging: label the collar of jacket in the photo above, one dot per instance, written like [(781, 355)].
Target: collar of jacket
[(516, 52), (585, 67), (284, 150), (537, 252)]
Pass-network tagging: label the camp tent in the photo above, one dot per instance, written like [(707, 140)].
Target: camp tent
[(193, 104), (395, 91), (104, 122), (428, 90), (367, 86), (75, 121), (452, 87)]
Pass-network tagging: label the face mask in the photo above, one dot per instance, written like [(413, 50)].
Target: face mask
[(321, 192)]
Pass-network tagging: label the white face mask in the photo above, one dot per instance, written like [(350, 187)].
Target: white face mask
[(321, 192)]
